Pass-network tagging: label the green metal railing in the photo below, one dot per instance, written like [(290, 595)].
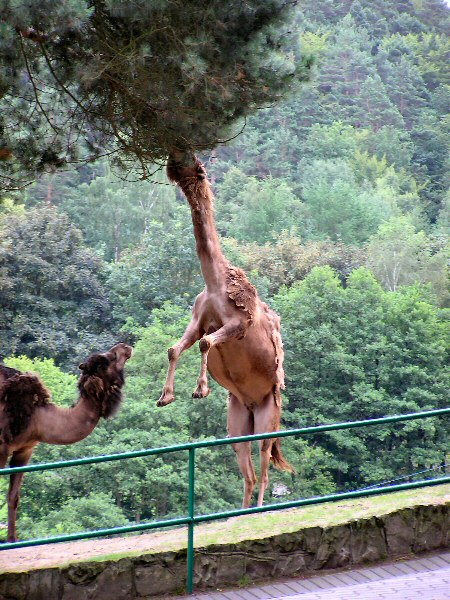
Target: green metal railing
[(191, 519)]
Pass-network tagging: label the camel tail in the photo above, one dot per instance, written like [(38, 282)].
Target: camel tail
[(278, 459)]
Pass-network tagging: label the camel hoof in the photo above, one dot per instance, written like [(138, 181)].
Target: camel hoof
[(204, 345), (198, 393), (165, 399)]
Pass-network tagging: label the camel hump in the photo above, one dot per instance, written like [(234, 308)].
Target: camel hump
[(7, 372), (21, 394), (241, 291)]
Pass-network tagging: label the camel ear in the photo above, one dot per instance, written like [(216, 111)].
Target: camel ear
[(82, 367)]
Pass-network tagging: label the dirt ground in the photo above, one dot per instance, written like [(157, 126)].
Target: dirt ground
[(231, 530), (36, 557)]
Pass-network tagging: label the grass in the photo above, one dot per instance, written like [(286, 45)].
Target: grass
[(230, 531), (262, 525)]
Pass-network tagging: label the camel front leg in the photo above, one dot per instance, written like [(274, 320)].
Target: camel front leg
[(232, 330), (227, 332), (190, 336), (19, 459), (202, 390)]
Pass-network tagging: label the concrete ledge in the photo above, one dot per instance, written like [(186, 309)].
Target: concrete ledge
[(398, 533)]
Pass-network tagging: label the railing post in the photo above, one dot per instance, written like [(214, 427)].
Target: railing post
[(191, 499)]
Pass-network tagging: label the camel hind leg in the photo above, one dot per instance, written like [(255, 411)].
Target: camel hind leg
[(240, 422), (267, 418), (3, 455)]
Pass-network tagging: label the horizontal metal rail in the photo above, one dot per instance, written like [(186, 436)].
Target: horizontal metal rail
[(191, 520), (223, 441), (226, 514)]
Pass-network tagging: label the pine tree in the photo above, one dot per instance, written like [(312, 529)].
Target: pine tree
[(347, 63), (139, 79), (375, 108)]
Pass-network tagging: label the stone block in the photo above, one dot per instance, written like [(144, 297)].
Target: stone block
[(334, 549), (84, 572), (287, 542), (432, 528), (45, 584), (310, 539), (399, 530), (292, 564), (230, 569), (73, 591), (116, 581), (368, 541), (14, 585), (260, 566), (159, 576), (205, 568)]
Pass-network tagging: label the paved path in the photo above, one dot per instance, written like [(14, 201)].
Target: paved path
[(418, 579)]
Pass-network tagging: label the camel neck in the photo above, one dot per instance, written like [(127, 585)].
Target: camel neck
[(56, 425), (212, 261)]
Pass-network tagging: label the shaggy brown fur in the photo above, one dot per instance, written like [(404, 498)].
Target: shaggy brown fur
[(239, 336), (21, 395), (97, 383), (241, 291), (7, 372), (27, 416)]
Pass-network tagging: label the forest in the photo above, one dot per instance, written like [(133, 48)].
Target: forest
[(335, 202)]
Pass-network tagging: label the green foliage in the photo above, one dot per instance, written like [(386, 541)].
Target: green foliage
[(350, 172), (113, 217), (257, 210), (339, 207), (398, 255), (287, 260), (112, 76), (443, 220), (94, 511), (429, 52), (333, 141), (371, 75), (52, 299), (164, 266), (10, 206), (359, 352)]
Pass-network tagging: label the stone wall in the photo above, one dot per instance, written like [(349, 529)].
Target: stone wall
[(410, 530)]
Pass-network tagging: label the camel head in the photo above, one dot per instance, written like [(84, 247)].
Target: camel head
[(183, 165), (102, 378)]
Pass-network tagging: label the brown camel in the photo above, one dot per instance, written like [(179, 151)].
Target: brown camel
[(240, 340), (27, 416)]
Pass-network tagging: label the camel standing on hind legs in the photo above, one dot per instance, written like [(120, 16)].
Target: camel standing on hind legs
[(240, 340), (27, 416)]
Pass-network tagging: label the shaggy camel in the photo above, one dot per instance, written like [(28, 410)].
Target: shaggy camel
[(27, 416), (240, 340)]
